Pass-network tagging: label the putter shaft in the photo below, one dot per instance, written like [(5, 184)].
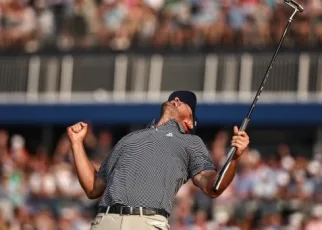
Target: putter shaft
[(243, 127)]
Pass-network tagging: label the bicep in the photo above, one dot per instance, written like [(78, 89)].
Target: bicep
[(99, 188)]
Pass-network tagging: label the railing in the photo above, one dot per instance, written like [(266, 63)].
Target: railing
[(216, 78)]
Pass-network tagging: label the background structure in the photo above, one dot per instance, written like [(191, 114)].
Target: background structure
[(111, 63)]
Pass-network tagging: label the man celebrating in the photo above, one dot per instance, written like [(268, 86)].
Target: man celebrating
[(138, 180)]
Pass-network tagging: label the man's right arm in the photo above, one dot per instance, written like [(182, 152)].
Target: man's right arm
[(93, 185)]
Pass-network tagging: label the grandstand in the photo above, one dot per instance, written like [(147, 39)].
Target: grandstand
[(111, 63)]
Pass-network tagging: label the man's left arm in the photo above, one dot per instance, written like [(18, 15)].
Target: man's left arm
[(206, 178)]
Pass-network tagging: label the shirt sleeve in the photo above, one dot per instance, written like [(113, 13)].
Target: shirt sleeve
[(199, 159), (102, 170), (109, 162)]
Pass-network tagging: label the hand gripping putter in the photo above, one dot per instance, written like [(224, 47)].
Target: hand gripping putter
[(297, 8)]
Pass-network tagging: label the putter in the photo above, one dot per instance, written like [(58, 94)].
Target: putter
[(297, 8)]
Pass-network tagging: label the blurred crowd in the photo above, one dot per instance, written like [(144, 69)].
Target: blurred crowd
[(40, 190), (33, 25)]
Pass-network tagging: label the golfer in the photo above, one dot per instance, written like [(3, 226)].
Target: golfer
[(138, 180)]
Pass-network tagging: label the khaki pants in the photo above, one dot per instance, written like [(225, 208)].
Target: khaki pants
[(107, 221)]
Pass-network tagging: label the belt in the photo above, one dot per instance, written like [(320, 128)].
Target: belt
[(127, 210)]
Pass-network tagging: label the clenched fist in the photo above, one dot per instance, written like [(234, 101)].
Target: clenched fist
[(77, 132)]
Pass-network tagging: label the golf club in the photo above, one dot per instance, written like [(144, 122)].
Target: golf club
[(297, 8)]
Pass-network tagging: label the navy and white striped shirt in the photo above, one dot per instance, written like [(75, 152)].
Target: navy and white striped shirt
[(147, 167)]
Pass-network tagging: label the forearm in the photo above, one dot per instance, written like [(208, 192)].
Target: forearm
[(206, 180), (85, 169), (229, 176)]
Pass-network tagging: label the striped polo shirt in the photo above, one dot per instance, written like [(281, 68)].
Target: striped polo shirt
[(147, 167)]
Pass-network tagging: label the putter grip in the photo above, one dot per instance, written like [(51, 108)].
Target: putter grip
[(230, 157)]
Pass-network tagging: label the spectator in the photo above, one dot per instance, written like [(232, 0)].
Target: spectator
[(18, 24), (178, 24), (44, 219), (218, 148), (201, 222), (4, 225), (238, 16), (40, 190), (111, 17), (295, 222), (63, 150), (81, 24), (5, 158), (45, 29), (42, 183), (18, 151), (316, 221)]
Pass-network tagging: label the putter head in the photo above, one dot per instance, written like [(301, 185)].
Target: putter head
[(294, 5)]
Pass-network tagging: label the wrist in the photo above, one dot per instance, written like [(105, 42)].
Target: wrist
[(77, 143), (236, 157)]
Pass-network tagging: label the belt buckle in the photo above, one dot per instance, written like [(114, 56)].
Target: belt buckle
[(131, 210)]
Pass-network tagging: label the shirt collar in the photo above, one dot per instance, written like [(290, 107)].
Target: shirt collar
[(151, 124), (168, 124)]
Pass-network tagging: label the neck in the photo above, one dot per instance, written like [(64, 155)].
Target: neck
[(164, 119)]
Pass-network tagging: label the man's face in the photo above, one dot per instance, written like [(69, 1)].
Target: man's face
[(180, 111)]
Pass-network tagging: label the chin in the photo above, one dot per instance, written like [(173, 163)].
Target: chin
[(169, 108), (167, 105)]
